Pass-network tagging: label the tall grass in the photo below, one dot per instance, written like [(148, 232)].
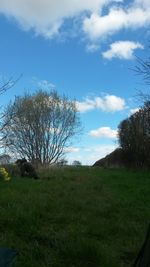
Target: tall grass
[(75, 217)]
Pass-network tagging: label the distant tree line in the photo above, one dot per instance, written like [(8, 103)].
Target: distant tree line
[(134, 132), (134, 137), (76, 163)]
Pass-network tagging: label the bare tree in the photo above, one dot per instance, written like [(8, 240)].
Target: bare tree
[(39, 126), (143, 68), (4, 86)]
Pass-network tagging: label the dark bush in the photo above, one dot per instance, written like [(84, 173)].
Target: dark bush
[(26, 168)]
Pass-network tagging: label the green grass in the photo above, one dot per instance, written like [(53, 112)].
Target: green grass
[(76, 217)]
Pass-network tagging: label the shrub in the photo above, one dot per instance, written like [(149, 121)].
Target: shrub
[(4, 174), (12, 169)]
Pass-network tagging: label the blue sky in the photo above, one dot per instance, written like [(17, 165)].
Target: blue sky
[(85, 49)]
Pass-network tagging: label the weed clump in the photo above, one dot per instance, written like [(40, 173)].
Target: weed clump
[(4, 174)]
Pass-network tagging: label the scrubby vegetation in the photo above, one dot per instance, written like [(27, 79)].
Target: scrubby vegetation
[(75, 217), (4, 174)]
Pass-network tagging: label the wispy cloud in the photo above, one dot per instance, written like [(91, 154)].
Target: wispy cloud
[(108, 103), (92, 48), (104, 132), (71, 149), (44, 84), (134, 110), (122, 50), (45, 17), (98, 26)]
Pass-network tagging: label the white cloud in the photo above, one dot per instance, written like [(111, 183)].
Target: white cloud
[(86, 105), (46, 85), (134, 110), (98, 26), (108, 103), (72, 149), (46, 17), (104, 132), (122, 50), (92, 47)]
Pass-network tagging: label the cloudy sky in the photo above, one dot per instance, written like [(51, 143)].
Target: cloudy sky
[(85, 49)]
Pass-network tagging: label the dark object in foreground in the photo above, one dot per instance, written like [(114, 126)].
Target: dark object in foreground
[(26, 168), (143, 258), (7, 257)]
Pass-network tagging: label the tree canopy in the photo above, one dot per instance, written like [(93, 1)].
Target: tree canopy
[(39, 126), (134, 137)]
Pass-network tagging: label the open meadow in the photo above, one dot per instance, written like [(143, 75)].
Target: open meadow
[(75, 217)]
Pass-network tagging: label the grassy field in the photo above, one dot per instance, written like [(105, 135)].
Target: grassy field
[(76, 217)]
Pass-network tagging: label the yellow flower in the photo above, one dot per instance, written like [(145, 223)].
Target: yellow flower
[(7, 178), (4, 174)]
